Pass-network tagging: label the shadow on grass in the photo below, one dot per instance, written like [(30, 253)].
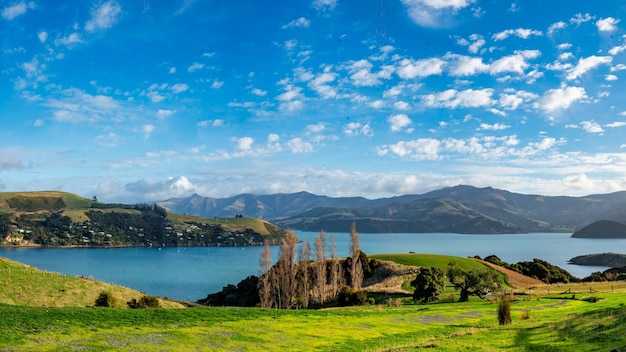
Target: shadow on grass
[(598, 330)]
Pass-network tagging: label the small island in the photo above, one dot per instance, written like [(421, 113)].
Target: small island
[(602, 229), (613, 260)]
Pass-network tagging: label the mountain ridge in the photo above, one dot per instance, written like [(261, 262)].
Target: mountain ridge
[(459, 209)]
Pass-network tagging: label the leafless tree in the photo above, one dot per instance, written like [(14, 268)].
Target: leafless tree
[(287, 271), (335, 270), (266, 280), (304, 255), (320, 267), (356, 268)]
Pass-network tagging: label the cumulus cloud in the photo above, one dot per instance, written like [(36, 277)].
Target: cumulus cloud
[(163, 113), (9, 13), (300, 22), (434, 13), (586, 64), (243, 143), (357, 128), (560, 98), (154, 190), (608, 24), (324, 5), (361, 74), (556, 26), (461, 65), (398, 122), (195, 67), (494, 127), (68, 40), (523, 33), (579, 18), (591, 127), (516, 63), (179, 87), (103, 16), (451, 98), (409, 69)]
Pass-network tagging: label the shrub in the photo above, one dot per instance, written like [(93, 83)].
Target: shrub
[(525, 314), (144, 302), (105, 299), (504, 311), (351, 297)]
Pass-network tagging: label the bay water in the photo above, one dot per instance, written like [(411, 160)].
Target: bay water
[(190, 273)]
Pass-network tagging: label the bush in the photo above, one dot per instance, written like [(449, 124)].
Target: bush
[(105, 299), (144, 302), (504, 311), (351, 297)]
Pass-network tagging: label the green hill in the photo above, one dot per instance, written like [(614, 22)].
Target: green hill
[(52, 218), (27, 286)]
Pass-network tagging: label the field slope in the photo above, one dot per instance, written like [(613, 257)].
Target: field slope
[(27, 286)]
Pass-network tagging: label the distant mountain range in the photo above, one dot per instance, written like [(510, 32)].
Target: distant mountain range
[(459, 209)]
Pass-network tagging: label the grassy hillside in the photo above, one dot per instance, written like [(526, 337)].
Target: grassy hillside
[(25, 285), (51, 218), (552, 323), (430, 260)]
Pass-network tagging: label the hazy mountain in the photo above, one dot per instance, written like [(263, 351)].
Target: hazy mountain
[(460, 209)]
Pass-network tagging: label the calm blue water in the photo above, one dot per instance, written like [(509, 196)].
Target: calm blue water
[(192, 273)]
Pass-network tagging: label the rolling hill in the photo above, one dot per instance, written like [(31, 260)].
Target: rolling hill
[(460, 209), (63, 219)]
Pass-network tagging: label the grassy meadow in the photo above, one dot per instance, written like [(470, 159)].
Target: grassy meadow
[(42, 311)]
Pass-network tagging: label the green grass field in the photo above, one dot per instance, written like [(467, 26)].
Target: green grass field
[(588, 317)]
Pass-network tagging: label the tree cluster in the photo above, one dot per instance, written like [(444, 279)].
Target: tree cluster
[(297, 281), (539, 269)]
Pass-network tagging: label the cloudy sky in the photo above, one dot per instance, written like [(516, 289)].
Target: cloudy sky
[(145, 100)]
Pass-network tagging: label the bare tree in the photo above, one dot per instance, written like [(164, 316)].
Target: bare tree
[(265, 280), (356, 268), (335, 270), (320, 267), (287, 271), (304, 255)]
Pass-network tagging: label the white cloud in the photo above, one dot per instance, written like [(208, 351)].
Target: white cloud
[(434, 13), (147, 130), (520, 32), (461, 65), (43, 36), (556, 26), (324, 5), (300, 22), (243, 143), (68, 40), (179, 88), (560, 98), (452, 98), (586, 64), (513, 101), (320, 85), (409, 69), (195, 67), (608, 24), (357, 128), (217, 84), (163, 114), (172, 70), (402, 105), (580, 18), (298, 145), (398, 122), (211, 123), (494, 127), (418, 149), (591, 127), (611, 78), (615, 124), (103, 16), (514, 63), (564, 46), (9, 13), (617, 49), (259, 92), (361, 73)]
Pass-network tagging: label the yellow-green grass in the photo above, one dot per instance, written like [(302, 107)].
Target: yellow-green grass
[(71, 200), (258, 225), (24, 285), (557, 323), (430, 260)]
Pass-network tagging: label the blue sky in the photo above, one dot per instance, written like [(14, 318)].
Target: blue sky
[(141, 100)]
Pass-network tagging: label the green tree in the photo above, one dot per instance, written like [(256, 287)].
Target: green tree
[(473, 282), (428, 284)]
